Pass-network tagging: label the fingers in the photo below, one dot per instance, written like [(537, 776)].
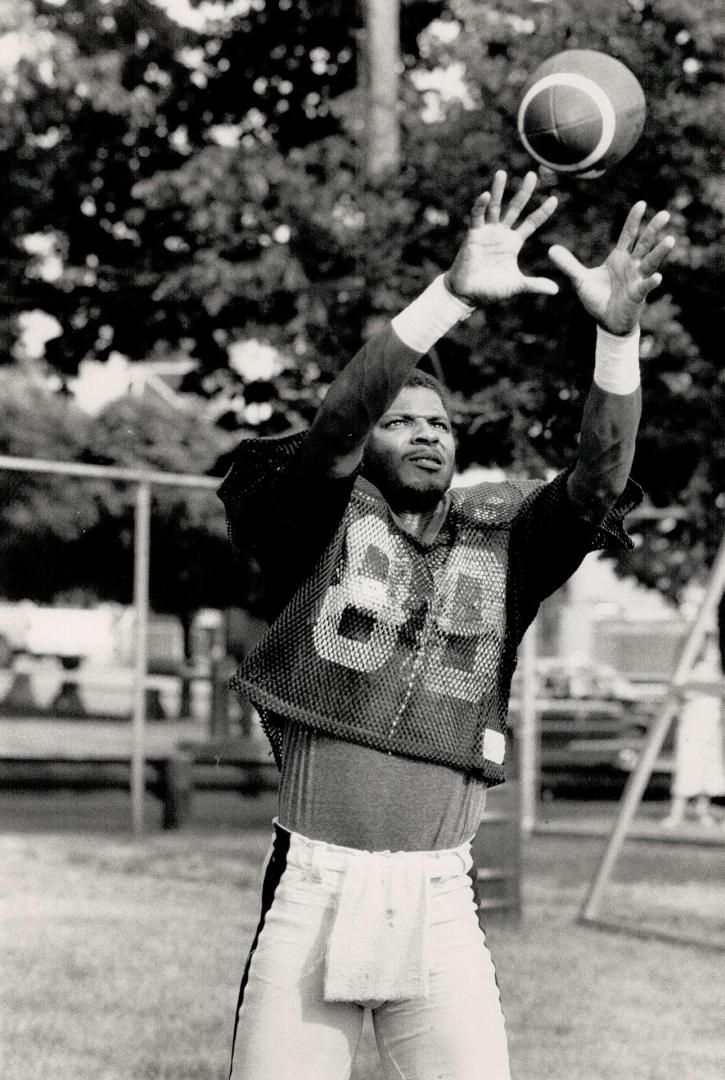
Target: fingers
[(563, 260), (487, 209), (478, 214), (651, 235), (520, 199), (541, 285), (648, 247), (497, 190), (535, 220), (656, 256), (646, 244), (630, 229), (644, 287)]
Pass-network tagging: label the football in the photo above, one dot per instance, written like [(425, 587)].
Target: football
[(581, 112)]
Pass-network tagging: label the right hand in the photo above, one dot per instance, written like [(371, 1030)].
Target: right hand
[(486, 267)]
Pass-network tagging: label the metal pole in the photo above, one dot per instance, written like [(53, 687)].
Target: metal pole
[(108, 472), (638, 779), (142, 550), (529, 736)]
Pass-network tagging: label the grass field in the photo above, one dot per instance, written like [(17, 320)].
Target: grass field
[(121, 959)]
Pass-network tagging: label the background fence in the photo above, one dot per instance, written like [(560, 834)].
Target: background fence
[(142, 483), (205, 717)]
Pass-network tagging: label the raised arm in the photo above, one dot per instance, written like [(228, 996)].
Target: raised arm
[(614, 293), (485, 270)]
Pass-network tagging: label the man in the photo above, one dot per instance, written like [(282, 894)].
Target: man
[(396, 607)]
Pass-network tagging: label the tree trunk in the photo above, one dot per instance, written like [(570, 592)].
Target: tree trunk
[(382, 85)]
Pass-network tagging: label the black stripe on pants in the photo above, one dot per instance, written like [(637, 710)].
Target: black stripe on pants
[(272, 877), (476, 886)]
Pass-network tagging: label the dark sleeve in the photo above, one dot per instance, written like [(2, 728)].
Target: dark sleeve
[(606, 451), (549, 539), (284, 519), (354, 403), (285, 497)]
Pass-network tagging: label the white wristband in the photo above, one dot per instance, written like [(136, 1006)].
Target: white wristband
[(616, 362), (431, 315)]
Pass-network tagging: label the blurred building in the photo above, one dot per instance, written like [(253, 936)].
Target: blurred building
[(100, 382), (618, 621)]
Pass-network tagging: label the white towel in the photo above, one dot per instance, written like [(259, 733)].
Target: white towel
[(378, 946)]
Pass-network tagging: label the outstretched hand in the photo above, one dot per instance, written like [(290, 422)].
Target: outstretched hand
[(615, 292), (486, 266)]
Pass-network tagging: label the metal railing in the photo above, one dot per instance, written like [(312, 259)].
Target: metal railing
[(143, 481)]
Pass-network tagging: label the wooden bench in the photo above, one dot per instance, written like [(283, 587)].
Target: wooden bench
[(108, 742), (18, 694)]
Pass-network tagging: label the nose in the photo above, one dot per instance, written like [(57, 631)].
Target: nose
[(424, 432)]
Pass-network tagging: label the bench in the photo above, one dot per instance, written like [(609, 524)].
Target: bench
[(108, 742), (19, 695)]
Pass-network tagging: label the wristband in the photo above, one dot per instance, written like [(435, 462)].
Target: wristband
[(430, 316), (616, 362)]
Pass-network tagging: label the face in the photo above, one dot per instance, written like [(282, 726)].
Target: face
[(410, 453)]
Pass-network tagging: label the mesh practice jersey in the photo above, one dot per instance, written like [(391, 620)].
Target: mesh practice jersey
[(381, 640)]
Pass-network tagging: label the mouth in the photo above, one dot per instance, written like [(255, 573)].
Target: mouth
[(428, 460)]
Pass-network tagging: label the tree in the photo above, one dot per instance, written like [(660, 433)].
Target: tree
[(86, 112), (39, 515), (382, 88), (106, 94), (675, 49), (68, 535), (258, 222)]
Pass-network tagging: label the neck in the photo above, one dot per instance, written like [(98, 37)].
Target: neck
[(417, 522)]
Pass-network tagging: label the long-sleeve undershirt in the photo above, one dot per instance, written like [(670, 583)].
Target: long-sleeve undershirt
[(368, 384), (352, 795)]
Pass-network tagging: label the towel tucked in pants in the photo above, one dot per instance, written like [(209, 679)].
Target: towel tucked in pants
[(452, 1028)]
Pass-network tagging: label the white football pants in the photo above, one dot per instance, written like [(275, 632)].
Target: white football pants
[(284, 1027)]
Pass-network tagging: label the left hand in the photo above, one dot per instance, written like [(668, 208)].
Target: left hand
[(615, 292)]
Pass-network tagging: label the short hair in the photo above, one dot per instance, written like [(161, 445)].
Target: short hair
[(417, 377)]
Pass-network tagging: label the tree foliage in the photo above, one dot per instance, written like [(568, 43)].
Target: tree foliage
[(75, 536), (206, 189)]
